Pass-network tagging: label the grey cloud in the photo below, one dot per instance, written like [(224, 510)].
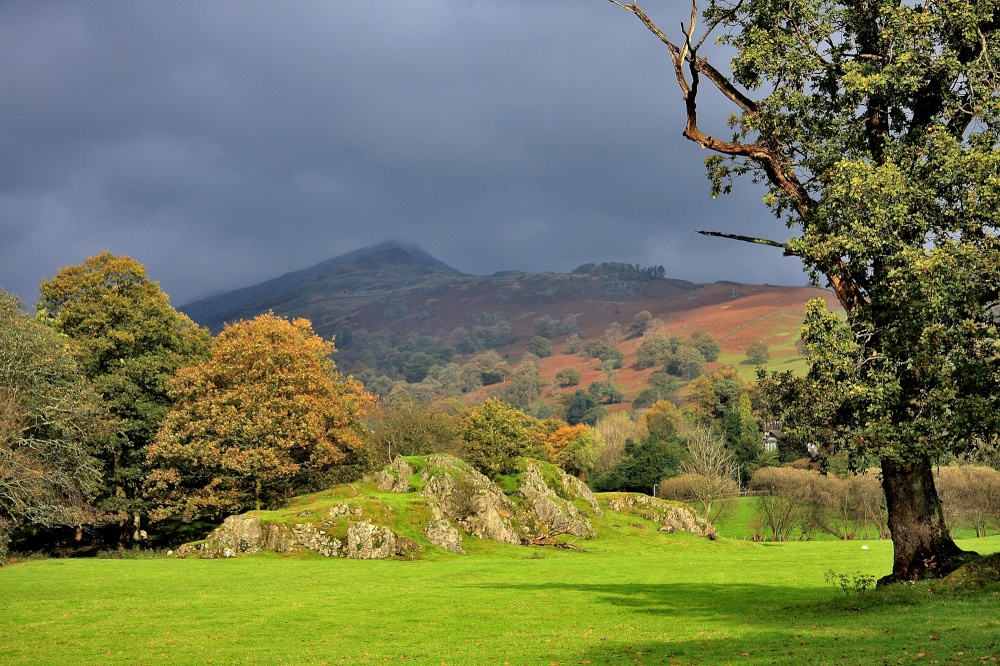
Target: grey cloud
[(224, 143)]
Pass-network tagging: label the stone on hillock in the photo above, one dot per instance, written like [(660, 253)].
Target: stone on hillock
[(342, 509), (394, 478), (673, 517), (441, 533), (401, 467), (366, 541), (550, 514), (240, 535), (469, 498)]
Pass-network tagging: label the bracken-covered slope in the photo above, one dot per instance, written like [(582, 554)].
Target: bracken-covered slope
[(399, 288)]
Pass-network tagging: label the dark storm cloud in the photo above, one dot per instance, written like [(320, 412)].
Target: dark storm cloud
[(224, 143)]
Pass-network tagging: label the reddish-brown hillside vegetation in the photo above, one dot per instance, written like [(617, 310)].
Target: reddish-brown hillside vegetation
[(394, 289)]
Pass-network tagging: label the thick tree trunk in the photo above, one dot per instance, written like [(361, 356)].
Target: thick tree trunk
[(922, 546)]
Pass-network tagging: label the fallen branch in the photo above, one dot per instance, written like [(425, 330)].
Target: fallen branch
[(542, 541)]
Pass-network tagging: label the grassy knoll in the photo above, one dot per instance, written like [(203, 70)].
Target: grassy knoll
[(636, 596)]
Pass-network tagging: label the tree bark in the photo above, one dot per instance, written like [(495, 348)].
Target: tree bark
[(922, 546)]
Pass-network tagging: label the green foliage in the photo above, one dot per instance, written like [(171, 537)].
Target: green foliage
[(606, 392), (643, 466), (525, 384), (621, 271), (51, 420), (686, 363), (855, 583), (595, 349), (757, 352), (540, 346), (567, 377), (129, 341), (547, 327), (492, 369), (496, 436), (663, 382), (656, 349), (641, 322), (706, 344), (744, 439), (582, 407), (613, 359), (417, 367), (573, 344), (881, 148), (646, 398)]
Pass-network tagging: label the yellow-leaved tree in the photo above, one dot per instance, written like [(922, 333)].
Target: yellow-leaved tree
[(267, 416)]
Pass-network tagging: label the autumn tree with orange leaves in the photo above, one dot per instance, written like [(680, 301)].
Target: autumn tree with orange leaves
[(266, 417)]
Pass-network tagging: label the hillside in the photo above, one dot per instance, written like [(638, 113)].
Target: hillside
[(400, 291)]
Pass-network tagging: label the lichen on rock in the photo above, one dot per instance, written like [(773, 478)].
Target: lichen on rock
[(395, 477), (548, 513), (441, 533), (469, 498), (366, 541), (240, 535)]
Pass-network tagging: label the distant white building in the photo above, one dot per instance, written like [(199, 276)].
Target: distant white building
[(771, 434)]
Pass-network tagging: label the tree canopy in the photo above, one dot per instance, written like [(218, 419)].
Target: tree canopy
[(496, 436), (875, 127), (128, 340), (265, 417), (50, 420)]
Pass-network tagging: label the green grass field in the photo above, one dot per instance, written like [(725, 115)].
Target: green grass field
[(637, 596)]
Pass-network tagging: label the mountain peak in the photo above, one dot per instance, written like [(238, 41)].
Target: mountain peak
[(242, 303)]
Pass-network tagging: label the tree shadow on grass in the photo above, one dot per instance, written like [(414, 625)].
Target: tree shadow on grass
[(774, 624), (832, 645), (686, 599)]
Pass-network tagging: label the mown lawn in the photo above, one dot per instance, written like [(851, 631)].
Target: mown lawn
[(636, 596)]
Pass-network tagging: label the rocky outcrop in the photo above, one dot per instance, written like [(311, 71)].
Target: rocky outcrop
[(549, 514), (673, 517), (343, 509), (247, 534), (366, 541), (395, 477), (440, 532), (545, 503), (469, 498), (540, 507)]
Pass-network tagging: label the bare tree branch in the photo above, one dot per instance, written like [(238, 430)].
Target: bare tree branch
[(776, 166), (747, 239)]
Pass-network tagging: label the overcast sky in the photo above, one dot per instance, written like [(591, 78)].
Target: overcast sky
[(224, 143)]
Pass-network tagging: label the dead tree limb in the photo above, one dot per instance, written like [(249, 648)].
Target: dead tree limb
[(776, 165)]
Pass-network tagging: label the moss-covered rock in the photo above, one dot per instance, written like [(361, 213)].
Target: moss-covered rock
[(432, 501)]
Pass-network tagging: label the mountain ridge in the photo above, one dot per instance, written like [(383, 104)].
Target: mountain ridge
[(250, 301)]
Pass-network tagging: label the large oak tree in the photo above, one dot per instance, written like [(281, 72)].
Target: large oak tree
[(874, 125)]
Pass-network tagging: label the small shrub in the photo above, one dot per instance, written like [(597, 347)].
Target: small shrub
[(540, 347), (855, 583), (758, 353), (567, 377)]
